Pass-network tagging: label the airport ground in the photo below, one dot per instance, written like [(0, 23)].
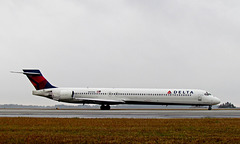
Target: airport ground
[(122, 113), (79, 130)]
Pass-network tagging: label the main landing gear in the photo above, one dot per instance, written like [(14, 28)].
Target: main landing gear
[(209, 107), (105, 107)]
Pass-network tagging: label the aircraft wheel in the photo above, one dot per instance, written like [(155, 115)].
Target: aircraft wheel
[(210, 107), (108, 107), (105, 107)]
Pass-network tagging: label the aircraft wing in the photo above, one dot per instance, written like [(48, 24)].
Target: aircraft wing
[(100, 101)]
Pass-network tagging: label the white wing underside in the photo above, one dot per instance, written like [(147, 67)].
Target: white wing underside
[(101, 100)]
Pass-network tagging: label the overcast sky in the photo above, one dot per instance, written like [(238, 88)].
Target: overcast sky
[(122, 44)]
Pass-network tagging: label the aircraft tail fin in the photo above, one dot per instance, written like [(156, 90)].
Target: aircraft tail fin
[(37, 79)]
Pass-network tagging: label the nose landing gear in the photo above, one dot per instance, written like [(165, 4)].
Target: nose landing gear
[(105, 107), (209, 107)]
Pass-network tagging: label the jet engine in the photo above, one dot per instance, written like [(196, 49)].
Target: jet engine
[(62, 94)]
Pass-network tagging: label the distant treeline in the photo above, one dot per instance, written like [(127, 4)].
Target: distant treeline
[(227, 105), (46, 107)]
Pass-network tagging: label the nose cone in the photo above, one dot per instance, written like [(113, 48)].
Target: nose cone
[(216, 101)]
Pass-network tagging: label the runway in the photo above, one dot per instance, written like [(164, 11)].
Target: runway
[(159, 114)]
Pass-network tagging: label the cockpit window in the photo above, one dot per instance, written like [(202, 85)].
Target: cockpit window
[(207, 94)]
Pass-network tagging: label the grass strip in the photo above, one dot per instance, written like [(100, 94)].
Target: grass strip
[(76, 130)]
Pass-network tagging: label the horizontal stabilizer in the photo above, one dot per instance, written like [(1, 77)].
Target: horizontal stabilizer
[(26, 73)]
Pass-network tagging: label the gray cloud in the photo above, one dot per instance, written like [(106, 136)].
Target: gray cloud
[(153, 44)]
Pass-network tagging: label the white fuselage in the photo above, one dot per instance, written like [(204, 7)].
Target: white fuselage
[(113, 96)]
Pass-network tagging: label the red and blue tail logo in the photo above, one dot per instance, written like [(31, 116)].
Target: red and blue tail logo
[(37, 79)]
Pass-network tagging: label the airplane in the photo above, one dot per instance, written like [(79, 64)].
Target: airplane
[(114, 96)]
